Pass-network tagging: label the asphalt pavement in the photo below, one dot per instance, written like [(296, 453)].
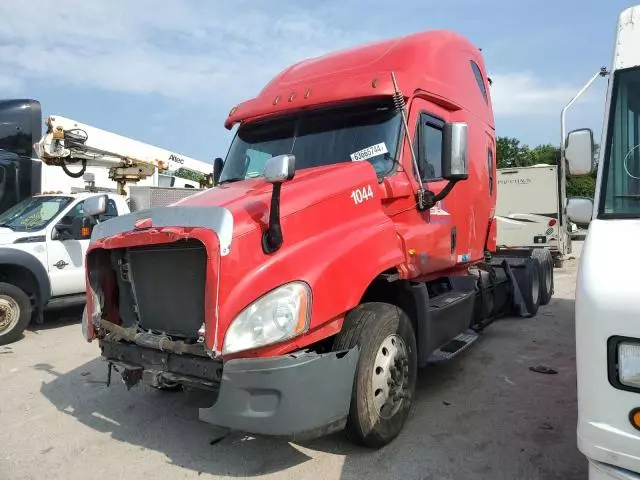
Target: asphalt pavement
[(485, 415)]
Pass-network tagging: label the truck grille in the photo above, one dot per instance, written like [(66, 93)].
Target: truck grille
[(168, 283)]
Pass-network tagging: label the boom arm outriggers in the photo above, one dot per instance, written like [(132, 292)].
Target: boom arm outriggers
[(69, 142)]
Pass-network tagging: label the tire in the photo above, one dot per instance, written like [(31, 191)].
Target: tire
[(545, 261), (384, 333), (528, 278), (15, 313)]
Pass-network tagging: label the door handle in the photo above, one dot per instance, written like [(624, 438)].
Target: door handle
[(60, 264)]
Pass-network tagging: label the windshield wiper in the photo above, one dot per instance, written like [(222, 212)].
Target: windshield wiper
[(230, 180), (6, 225)]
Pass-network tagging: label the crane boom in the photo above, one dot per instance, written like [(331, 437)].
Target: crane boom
[(68, 142)]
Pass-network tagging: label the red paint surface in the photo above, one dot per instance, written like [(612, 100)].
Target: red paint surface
[(331, 243)]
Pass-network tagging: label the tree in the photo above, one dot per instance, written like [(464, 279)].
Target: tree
[(511, 154), (187, 174), (548, 154)]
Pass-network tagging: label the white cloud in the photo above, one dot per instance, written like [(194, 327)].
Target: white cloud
[(524, 94), (188, 51), (207, 53)]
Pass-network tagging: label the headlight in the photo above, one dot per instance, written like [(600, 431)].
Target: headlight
[(279, 315), (629, 364)]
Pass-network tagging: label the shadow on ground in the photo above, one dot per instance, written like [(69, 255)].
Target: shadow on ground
[(58, 318), (484, 415)]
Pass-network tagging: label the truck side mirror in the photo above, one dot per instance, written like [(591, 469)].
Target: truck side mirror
[(280, 168), (580, 210), (81, 228), (93, 206), (455, 164), (277, 170), (579, 152), (217, 169)]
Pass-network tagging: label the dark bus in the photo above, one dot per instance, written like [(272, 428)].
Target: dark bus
[(20, 169)]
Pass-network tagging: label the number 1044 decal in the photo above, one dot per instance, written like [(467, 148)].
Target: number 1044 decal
[(359, 195)]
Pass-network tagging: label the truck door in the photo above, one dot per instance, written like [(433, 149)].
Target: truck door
[(440, 236), (66, 253)]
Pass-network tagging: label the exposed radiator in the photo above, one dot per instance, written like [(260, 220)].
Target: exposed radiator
[(168, 281)]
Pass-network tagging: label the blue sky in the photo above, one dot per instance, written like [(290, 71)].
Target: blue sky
[(167, 72)]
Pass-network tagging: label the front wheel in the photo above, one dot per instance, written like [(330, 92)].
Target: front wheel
[(386, 374), (15, 312)]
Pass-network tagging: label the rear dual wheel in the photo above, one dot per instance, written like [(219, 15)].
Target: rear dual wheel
[(529, 282), (386, 374), (545, 265)]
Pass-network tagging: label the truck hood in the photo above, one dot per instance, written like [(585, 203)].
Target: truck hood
[(249, 200), (8, 236)]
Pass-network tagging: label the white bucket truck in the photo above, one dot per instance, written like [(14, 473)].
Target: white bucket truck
[(42, 239)]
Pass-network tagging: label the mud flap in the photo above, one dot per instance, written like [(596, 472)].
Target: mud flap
[(518, 299), (298, 397)]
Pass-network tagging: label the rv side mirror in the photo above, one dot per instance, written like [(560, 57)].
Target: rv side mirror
[(217, 170), (93, 206), (579, 152), (580, 210), (455, 165), (280, 168)]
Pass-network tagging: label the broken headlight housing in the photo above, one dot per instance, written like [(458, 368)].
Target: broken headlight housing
[(279, 315)]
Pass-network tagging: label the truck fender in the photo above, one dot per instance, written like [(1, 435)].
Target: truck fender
[(10, 256)]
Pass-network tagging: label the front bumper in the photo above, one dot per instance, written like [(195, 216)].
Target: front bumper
[(298, 396), (603, 471)]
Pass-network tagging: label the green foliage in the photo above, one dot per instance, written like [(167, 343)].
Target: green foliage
[(548, 154), (511, 153), (189, 175), (581, 186)]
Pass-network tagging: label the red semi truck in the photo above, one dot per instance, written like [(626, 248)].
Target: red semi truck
[(349, 241)]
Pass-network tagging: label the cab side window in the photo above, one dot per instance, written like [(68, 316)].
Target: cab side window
[(429, 149), (67, 220), (112, 211), (490, 167), (76, 211), (479, 80)]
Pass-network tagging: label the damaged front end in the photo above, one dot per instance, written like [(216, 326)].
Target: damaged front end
[(152, 303), (152, 292)]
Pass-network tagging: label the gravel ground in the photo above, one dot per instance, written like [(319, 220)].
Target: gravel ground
[(483, 416)]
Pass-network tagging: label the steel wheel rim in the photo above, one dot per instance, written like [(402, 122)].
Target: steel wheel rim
[(9, 313), (390, 376)]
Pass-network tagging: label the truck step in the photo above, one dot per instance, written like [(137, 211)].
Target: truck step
[(454, 347)]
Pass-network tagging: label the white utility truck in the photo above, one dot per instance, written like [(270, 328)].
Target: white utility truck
[(23, 174), (607, 311), (529, 208), (42, 239)]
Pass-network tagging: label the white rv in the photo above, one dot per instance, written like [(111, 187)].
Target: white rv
[(527, 211)]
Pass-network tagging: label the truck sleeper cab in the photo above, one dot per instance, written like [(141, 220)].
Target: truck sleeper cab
[(348, 242)]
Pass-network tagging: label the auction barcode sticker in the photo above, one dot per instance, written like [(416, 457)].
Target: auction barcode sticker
[(369, 152)]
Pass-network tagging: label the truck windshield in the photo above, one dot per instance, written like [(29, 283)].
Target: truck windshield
[(621, 180), (33, 213), (364, 132)]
